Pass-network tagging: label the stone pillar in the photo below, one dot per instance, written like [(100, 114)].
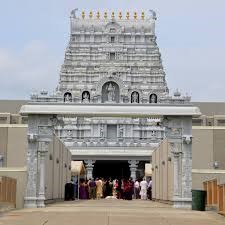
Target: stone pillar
[(176, 175), (187, 162), (40, 129), (30, 199), (179, 134), (42, 151), (133, 168), (176, 151), (89, 167)]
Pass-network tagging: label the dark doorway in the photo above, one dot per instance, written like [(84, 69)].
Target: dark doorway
[(113, 169)]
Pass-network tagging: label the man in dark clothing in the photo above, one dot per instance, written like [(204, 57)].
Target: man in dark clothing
[(92, 189)]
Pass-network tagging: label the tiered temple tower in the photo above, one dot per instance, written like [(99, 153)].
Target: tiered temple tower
[(112, 60)]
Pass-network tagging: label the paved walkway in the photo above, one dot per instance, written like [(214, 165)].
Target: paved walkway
[(110, 212)]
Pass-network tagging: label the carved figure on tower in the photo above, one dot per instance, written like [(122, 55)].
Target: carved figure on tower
[(110, 92), (134, 98), (86, 97)]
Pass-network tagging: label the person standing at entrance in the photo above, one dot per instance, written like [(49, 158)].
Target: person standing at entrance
[(98, 188), (83, 189), (131, 188), (126, 189), (149, 191), (92, 189), (107, 189), (136, 189), (143, 192)]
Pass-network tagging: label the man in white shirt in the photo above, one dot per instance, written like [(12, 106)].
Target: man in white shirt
[(144, 187), (136, 189)]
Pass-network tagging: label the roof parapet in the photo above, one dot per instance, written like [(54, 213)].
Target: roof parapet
[(105, 15)]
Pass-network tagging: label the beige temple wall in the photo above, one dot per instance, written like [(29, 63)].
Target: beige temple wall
[(208, 147), (13, 147), (20, 174), (162, 174), (202, 148), (13, 144), (58, 171)]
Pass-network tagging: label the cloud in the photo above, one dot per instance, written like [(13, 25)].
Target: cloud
[(190, 36), (198, 71), (33, 68)]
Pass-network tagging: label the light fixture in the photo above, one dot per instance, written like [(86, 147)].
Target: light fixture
[(216, 164)]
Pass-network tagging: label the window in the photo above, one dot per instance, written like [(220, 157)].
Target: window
[(112, 39), (112, 56)]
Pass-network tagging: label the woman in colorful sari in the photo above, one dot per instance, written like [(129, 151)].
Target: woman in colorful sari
[(98, 188), (83, 189)]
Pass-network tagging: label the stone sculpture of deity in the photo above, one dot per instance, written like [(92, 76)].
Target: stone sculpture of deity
[(101, 131), (110, 92), (135, 97), (86, 97), (153, 98), (120, 130), (68, 98)]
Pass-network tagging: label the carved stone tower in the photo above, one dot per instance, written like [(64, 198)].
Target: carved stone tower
[(112, 61), (112, 107), (117, 54)]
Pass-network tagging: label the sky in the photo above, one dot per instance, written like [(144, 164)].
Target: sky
[(190, 35)]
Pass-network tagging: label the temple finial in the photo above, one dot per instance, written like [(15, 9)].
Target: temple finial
[(128, 15), (83, 14), (120, 15), (73, 13), (153, 14), (90, 14), (105, 15)]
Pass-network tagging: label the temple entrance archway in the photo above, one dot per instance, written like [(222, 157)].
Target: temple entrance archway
[(111, 169)]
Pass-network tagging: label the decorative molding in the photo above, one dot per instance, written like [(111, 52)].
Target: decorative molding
[(187, 139), (32, 137)]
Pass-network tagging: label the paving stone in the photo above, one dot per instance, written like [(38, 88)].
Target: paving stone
[(106, 212)]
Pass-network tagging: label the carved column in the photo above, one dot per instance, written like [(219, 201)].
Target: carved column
[(187, 162), (176, 173), (133, 168), (30, 199), (179, 134), (89, 167), (39, 131), (42, 151)]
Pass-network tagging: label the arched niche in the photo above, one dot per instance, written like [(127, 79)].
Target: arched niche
[(153, 98), (135, 97), (67, 97), (85, 96), (110, 92), (113, 27)]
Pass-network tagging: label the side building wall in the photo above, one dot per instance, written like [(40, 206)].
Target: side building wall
[(162, 173), (13, 145), (208, 147), (58, 169), (13, 148)]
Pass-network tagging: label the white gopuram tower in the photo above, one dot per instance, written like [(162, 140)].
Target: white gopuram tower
[(112, 106), (112, 60)]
